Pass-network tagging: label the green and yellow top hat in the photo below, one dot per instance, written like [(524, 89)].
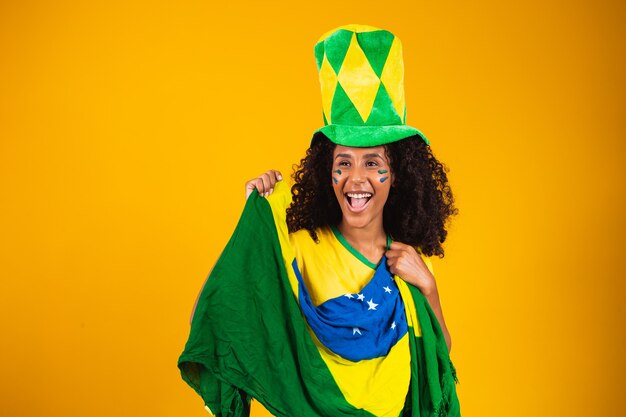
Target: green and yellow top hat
[(362, 79)]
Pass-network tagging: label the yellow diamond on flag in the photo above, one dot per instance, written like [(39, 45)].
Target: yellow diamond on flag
[(328, 82), (358, 79), (393, 77)]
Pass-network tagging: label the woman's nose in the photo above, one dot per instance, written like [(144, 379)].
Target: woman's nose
[(358, 175)]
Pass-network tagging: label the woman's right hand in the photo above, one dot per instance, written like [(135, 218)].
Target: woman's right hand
[(264, 183)]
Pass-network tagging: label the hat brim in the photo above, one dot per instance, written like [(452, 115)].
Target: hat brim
[(368, 136)]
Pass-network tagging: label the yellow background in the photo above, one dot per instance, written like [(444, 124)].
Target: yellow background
[(127, 131)]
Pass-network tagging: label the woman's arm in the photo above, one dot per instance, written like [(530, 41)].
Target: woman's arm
[(404, 261), (433, 299)]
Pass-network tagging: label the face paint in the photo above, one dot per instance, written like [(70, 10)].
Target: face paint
[(335, 180), (383, 179), (382, 171)]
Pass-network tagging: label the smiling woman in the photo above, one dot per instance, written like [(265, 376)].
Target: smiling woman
[(418, 201), (324, 302), (360, 189)]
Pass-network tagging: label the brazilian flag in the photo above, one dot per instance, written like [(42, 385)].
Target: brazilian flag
[(259, 332)]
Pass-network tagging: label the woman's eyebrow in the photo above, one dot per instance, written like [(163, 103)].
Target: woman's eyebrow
[(343, 155), (373, 155)]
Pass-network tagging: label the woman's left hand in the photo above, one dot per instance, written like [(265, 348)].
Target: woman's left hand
[(404, 261)]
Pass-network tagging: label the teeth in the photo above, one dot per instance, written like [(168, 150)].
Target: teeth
[(361, 195)]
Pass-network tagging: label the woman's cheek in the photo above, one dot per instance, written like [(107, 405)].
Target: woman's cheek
[(336, 176)]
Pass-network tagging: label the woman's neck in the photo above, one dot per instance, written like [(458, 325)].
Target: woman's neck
[(370, 241)]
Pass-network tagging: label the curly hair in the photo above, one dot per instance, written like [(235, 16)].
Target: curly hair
[(417, 210)]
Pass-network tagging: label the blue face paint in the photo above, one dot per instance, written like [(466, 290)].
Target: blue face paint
[(383, 179), (335, 180)]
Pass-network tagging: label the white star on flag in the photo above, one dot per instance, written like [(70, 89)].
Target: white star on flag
[(361, 297), (355, 330), (387, 289), (348, 295), (393, 325), (372, 304)]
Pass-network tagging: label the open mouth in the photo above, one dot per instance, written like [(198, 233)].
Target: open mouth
[(358, 201)]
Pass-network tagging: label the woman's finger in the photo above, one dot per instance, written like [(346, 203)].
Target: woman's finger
[(260, 186), (264, 183), (401, 246), (267, 183), (393, 253), (272, 177), (251, 185), (277, 175)]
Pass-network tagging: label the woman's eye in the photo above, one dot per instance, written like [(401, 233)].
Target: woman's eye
[(344, 163), (371, 164)]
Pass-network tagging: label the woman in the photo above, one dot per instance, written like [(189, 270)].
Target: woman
[(323, 303), (415, 213)]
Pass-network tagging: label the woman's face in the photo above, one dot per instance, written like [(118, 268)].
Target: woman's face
[(361, 179)]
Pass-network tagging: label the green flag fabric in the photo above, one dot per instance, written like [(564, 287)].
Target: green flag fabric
[(249, 338)]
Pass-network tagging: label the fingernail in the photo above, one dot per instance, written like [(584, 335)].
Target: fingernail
[(271, 190), (280, 177)]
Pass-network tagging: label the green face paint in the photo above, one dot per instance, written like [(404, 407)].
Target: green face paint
[(382, 171), (383, 179), (335, 180), (337, 171)]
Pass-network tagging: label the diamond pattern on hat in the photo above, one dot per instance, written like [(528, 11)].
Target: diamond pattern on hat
[(358, 79), (319, 54), (393, 77), (381, 114), (328, 82), (344, 112), (376, 46), (338, 47)]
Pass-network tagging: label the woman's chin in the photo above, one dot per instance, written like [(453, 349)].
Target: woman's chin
[(355, 221)]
